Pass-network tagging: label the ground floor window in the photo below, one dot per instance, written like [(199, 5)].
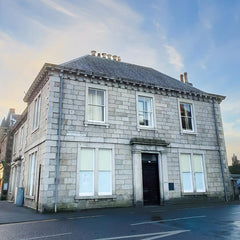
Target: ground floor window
[(192, 173), (95, 172), (31, 174)]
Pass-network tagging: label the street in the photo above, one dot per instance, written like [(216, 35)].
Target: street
[(211, 221)]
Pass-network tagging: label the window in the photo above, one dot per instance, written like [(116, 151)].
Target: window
[(96, 105), (36, 113), (192, 173), (31, 174), (95, 172), (15, 142), (145, 111), (21, 138), (186, 114)]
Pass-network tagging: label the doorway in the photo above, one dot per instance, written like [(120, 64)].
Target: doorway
[(150, 173)]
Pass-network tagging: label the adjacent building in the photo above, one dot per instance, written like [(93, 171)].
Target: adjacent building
[(6, 142), (99, 132)]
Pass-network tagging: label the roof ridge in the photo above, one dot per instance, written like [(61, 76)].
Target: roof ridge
[(73, 60)]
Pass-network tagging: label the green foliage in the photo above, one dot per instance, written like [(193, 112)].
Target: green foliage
[(235, 169)]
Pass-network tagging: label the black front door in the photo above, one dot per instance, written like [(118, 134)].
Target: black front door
[(151, 191)]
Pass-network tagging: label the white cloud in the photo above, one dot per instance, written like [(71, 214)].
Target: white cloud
[(58, 8), (231, 106), (104, 25), (174, 57)]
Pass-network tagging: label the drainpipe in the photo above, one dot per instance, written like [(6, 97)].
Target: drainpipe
[(219, 150), (58, 142)]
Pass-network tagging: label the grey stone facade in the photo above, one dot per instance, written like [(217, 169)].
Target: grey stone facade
[(116, 133)]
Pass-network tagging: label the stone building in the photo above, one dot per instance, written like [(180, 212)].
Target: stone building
[(6, 142), (101, 133)]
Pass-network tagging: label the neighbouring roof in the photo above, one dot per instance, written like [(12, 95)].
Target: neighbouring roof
[(123, 70)]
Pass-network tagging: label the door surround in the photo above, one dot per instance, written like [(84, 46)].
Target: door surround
[(161, 151)]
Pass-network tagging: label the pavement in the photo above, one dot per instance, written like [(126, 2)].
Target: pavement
[(10, 213), (190, 221)]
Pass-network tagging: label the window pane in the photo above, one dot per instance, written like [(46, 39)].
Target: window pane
[(140, 105), (86, 183), (183, 123), (198, 173), (199, 182), (90, 112), (140, 118), (100, 97), (187, 182), (86, 159), (197, 163), (91, 93), (148, 105), (104, 160), (98, 113), (104, 183), (185, 163), (189, 123)]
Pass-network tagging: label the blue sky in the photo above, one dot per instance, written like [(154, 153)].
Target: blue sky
[(200, 37)]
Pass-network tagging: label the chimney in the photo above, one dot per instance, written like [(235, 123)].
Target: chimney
[(104, 55), (109, 56), (115, 57), (181, 77), (185, 77), (93, 53)]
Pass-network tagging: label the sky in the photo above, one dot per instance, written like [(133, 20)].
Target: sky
[(201, 37)]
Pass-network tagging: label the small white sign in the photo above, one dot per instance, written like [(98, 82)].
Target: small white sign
[(5, 186)]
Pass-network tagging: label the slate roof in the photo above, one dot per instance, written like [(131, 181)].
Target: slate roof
[(111, 68)]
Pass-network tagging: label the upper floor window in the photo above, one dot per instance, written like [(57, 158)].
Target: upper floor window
[(36, 113), (186, 114), (21, 138), (145, 111), (96, 105)]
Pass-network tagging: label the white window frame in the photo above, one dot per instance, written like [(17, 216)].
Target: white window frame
[(192, 153), (96, 148), (21, 138), (147, 95), (31, 186), (194, 126), (93, 122), (15, 142), (36, 112)]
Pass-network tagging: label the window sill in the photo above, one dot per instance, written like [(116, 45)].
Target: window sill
[(96, 198), (140, 128), (188, 132), (194, 193), (30, 197), (86, 123)]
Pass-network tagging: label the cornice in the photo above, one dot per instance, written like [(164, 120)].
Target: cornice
[(102, 79)]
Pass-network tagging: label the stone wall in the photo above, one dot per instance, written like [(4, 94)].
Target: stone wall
[(120, 128)]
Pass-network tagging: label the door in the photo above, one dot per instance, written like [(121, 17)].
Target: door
[(151, 191)]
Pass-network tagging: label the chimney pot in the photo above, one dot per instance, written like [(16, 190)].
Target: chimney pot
[(185, 77), (93, 53), (104, 55), (99, 54), (109, 56), (115, 57), (119, 58), (181, 77)]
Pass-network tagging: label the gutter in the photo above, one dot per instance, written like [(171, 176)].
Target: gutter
[(219, 150), (59, 141)]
